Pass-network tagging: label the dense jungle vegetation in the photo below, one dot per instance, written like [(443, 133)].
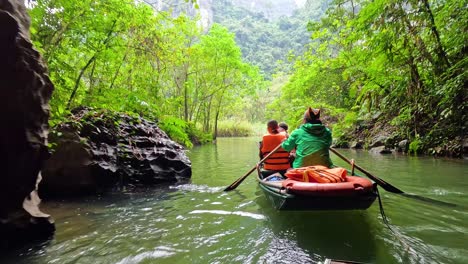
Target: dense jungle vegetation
[(397, 66), (268, 41)]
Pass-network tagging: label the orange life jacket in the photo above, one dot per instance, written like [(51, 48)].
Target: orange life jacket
[(318, 173), (278, 160)]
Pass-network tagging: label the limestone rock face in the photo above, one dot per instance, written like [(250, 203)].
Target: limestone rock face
[(25, 90), (99, 150)]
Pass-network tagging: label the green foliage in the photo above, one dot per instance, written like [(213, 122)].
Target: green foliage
[(197, 137), (345, 124), (123, 100), (226, 78), (403, 120), (231, 128), (265, 40), (401, 61), (415, 146), (91, 48), (184, 133), (176, 129), (126, 57)]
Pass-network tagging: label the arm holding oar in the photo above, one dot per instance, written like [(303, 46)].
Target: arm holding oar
[(241, 179), (387, 186)]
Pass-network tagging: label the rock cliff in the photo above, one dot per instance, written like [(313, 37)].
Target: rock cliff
[(25, 90)]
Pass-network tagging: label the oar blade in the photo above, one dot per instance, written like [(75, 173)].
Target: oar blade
[(429, 200), (231, 187), (391, 188), (241, 179)]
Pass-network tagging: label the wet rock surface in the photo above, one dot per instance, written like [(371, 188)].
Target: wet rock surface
[(403, 146), (380, 150), (358, 144), (101, 150), (25, 90), (380, 136)]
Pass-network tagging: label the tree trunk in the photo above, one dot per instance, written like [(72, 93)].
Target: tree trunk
[(440, 49), (118, 69), (218, 110), (186, 95), (57, 37), (77, 82), (422, 47)]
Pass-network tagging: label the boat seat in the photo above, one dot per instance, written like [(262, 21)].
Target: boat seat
[(266, 173), (269, 174)]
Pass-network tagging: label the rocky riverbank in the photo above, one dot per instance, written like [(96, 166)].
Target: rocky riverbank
[(99, 150), (381, 137)]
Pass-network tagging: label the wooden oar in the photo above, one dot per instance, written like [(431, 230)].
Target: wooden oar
[(241, 179), (387, 186)]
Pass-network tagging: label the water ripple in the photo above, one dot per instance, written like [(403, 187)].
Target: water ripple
[(197, 188), (222, 212), (444, 192), (158, 252)]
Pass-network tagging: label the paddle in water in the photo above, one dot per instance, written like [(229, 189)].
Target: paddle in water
[(241, 179), (387, 186)]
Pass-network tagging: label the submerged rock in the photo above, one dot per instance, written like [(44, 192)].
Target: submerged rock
[(102, 149), (380, 150), (403, 146), (25, 90), (359, 144), (340, 144), (378, 141)]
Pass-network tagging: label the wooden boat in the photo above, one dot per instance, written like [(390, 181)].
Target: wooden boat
[(357, 193)]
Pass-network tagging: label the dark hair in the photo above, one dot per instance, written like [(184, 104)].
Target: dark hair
[(283, 125), (273, 125)]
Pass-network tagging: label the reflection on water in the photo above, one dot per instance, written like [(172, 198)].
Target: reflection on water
[(332, 234), (197, 222)]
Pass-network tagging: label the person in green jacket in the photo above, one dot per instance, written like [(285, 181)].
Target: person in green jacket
[(311, 140)]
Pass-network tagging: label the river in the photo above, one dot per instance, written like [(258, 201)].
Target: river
[(197, 222)]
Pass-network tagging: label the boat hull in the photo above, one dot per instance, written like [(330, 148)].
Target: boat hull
[(281, 199)]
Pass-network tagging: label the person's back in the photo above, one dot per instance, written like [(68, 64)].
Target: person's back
[(311, 141), (278, 161)]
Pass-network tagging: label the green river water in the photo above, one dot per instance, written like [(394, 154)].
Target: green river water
[(197, 222)]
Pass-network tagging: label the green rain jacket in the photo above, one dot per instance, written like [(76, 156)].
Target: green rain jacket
[(311, 142)]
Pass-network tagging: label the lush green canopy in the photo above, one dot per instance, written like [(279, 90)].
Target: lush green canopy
[(125, 56), (400, 63)]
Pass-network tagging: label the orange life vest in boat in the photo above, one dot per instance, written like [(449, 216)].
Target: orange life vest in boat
[(278, 160), (318, 173)]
